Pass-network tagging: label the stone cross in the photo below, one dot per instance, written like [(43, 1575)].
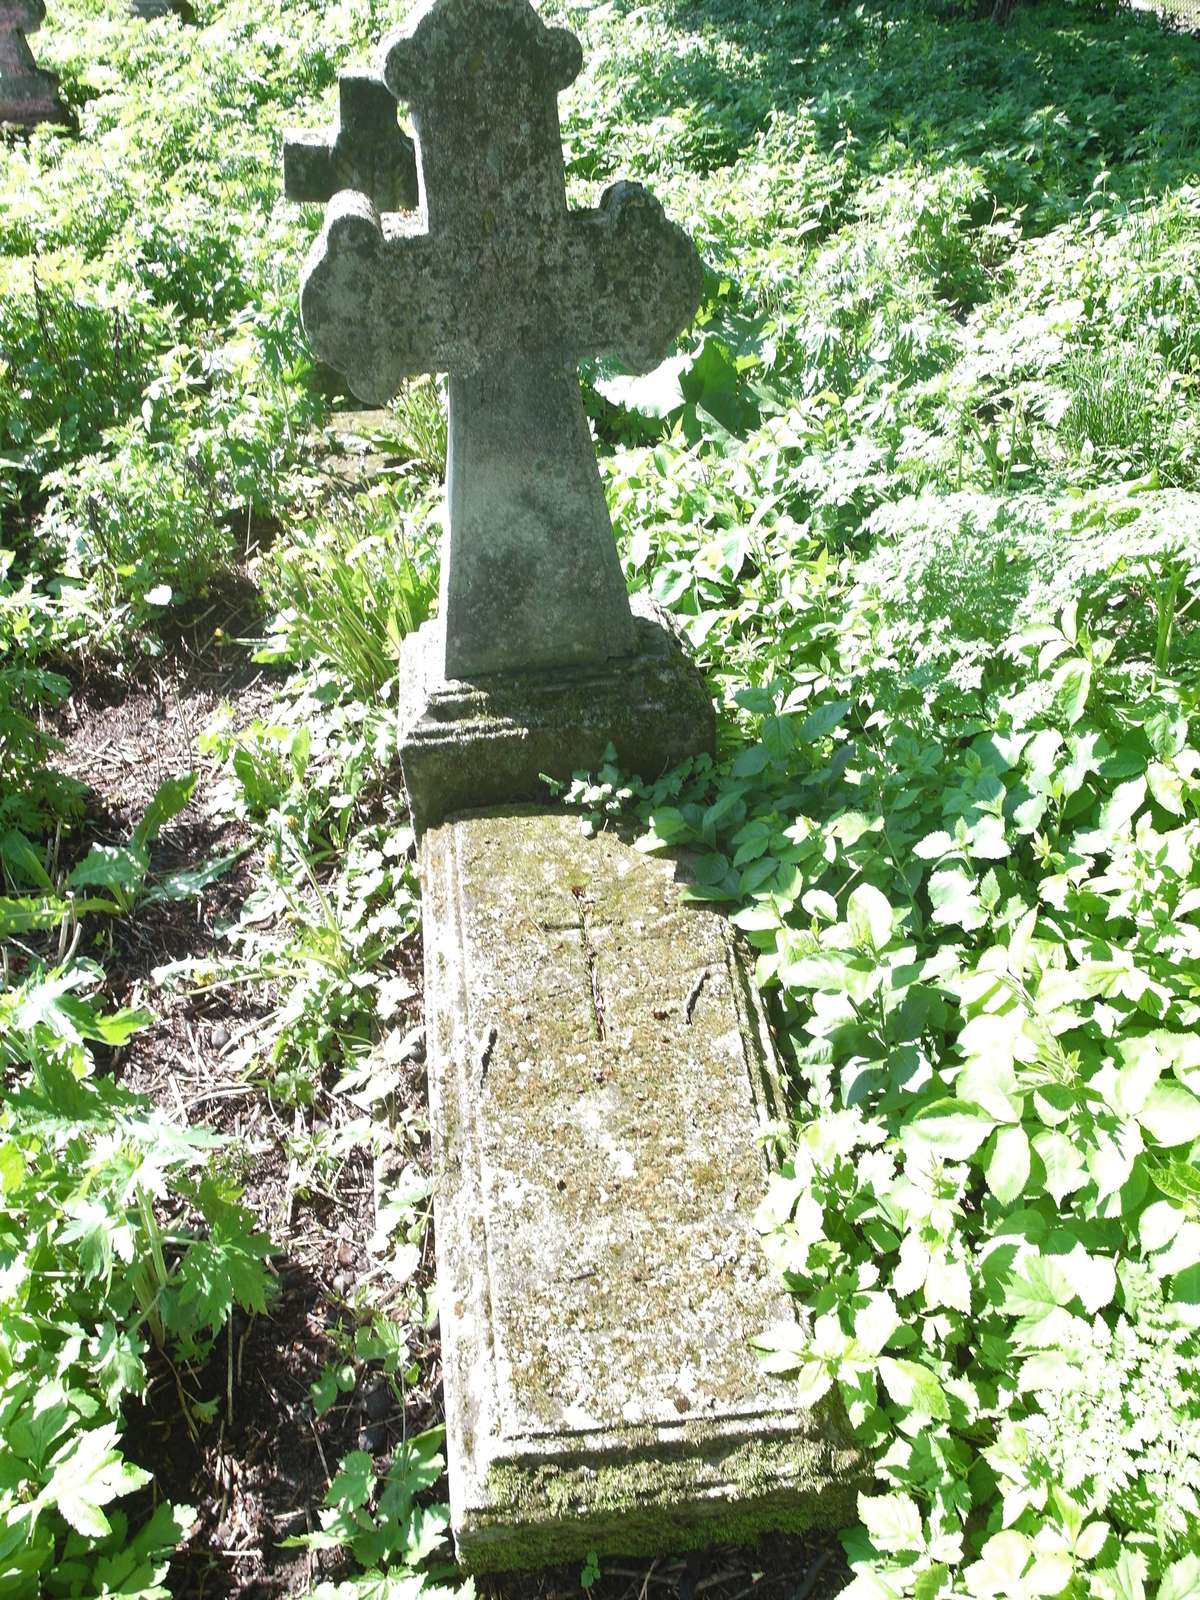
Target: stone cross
[(368, 151), (27, 94), (498, 283)]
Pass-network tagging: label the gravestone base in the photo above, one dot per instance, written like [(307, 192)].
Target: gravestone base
[(492, 739), (600, 1071), (29, 96), (29, 101)]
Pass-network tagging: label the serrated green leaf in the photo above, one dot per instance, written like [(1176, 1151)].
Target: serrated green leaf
[(822, 721), (1065, 1170), (893, 1522), (1181, 1581), (933, 846), (912, 1385), (953, 1128), (29, 913), (110, 866), (1036, 1287), (1001, 1567), (12, 1166), (869, 917), (1122, 806), (89, 1474), (168, 801), (952, 894), (352, 1483), (1007, 1166), (1171, 1114), (1071, 685), (1180, 1180), (23, 862)]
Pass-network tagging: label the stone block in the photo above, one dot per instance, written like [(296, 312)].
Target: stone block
[(489, 740), (599, 1071)]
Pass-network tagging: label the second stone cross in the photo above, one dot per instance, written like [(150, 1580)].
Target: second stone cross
[(498, 283)]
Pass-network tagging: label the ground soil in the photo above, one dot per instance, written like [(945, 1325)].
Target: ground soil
[(258, 1470)]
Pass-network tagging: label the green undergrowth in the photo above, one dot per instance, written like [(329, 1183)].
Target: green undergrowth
[(118, 1230), (967, 854), (921, 488), (924, 500)]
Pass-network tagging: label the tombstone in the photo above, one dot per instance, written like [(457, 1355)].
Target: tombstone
[(599, 1072), (28, 95), (599, 1067), (497, 283), (368, 151)]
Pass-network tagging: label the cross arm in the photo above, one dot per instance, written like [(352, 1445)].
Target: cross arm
[(368, 151), (636, 277), (364, 299), (383, 300)]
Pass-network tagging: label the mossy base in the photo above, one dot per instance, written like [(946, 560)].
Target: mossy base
[(494, 739), (600, 1071)]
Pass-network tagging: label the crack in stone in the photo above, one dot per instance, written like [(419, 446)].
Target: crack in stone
[(589, 955)]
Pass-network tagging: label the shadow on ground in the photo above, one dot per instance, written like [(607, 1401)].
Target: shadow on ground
[(1068, 95)]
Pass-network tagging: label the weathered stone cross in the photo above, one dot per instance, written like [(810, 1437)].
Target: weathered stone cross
[(497, 283), (27, 94), (367, 151)]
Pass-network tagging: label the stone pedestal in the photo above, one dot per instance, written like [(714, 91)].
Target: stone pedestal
[(599, 1069), (490, 740)]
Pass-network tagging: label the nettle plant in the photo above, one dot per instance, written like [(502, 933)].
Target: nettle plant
[(377, 1520), (111, 1240)]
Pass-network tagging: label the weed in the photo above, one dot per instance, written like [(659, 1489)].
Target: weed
[(349, 588)]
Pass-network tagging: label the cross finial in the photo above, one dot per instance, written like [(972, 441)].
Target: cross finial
[(368, 151), (502, 286), (28, 95)]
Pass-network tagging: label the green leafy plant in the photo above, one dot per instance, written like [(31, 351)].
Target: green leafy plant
[(348, 589), (95, 1189), (123, 870), (338, 898), (380, 1522), (120, 872)]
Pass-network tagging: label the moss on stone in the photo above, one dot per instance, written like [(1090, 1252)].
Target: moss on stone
[(487, 742), (602, 1278), (648, 1505)]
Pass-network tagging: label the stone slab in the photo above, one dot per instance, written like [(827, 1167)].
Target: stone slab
[(491, 739), (599, 1069)]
